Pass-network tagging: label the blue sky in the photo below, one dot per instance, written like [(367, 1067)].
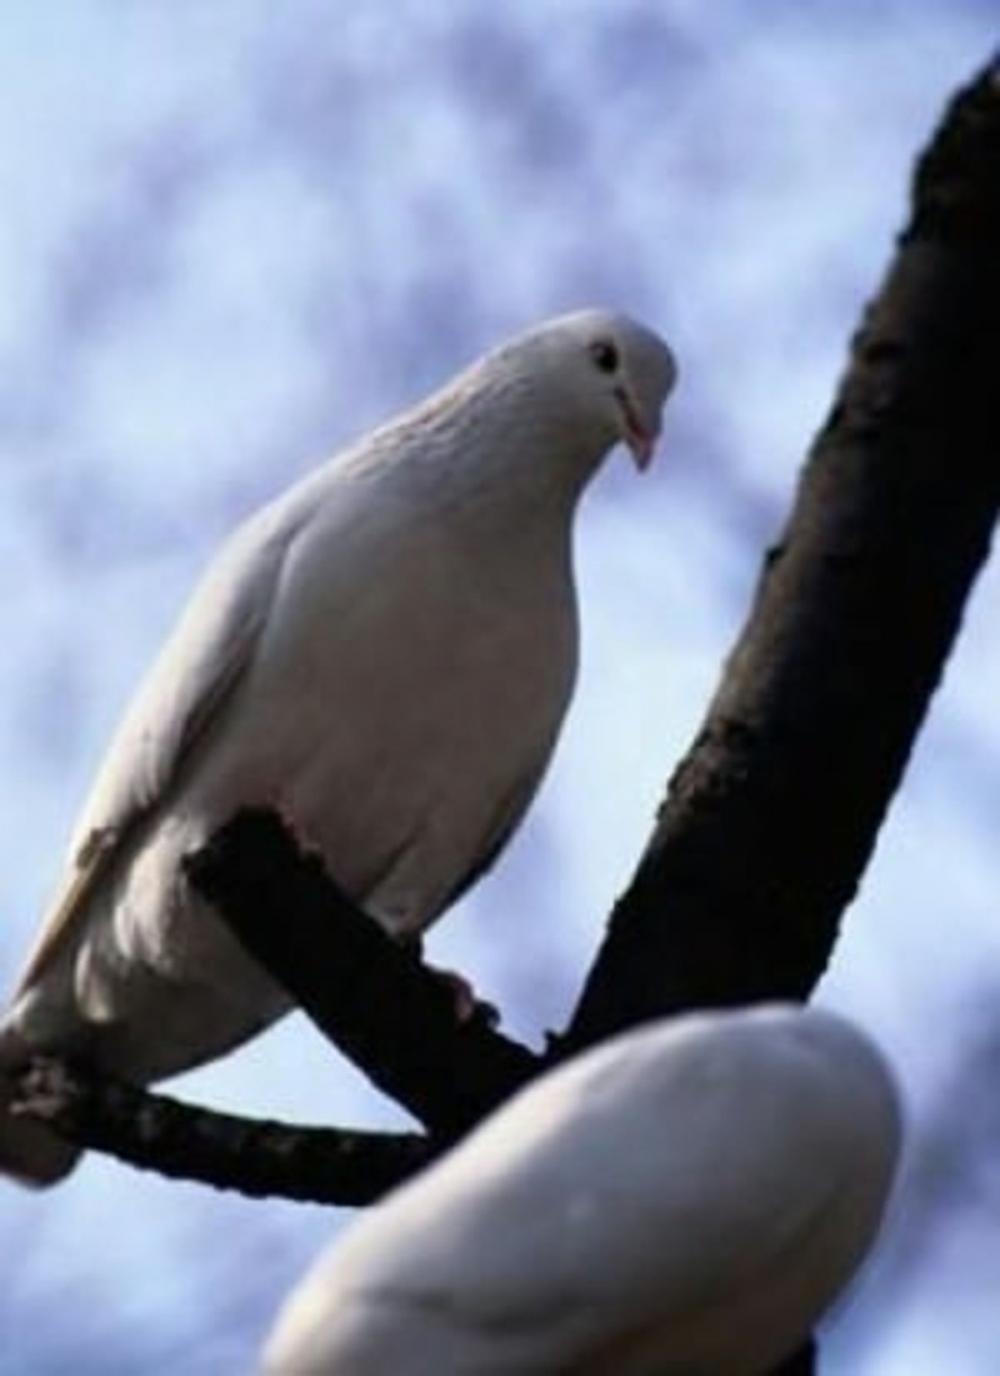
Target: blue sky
[(237, 235)]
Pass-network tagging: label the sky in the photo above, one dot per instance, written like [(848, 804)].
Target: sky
[(236, 236)]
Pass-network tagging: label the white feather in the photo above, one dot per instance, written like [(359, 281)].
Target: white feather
[(385, 653), (685, 1200)]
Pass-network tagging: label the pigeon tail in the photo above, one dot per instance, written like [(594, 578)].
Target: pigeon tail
[(30, 1153)]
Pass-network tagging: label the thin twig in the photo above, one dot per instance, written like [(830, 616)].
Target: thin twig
[(154, 1132)]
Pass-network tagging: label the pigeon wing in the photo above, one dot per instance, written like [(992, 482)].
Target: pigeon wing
[(179, 703)]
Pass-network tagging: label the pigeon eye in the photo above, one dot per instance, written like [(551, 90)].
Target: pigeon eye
[(605, 355)]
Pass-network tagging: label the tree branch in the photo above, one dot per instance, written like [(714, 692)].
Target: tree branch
[(392, 1016), (371, 997), (772, 817), (154, 1132)]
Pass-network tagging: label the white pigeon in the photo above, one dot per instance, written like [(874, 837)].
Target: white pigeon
[(385, 653), (685, 1200)]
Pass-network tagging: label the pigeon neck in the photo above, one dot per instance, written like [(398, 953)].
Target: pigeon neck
[(505, 443)]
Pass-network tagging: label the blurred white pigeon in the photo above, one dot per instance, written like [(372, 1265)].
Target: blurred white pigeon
[(385, 653), (685, 1200)]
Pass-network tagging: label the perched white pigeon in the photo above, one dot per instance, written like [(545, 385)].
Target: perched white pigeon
[(685, 1200), (385, 653)]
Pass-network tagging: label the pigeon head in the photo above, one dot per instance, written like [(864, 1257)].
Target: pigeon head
[(605, 371)]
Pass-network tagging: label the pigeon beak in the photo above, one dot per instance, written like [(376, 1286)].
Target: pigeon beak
[(640, 439)]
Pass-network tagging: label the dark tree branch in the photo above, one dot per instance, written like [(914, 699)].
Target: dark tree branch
[(393, 1017), (371, 997), (153, 1132), (801, 1363), (772, 817)]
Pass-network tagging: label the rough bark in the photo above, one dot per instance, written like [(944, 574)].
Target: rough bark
[(371, 997), (154, 1132), (772, 817), (392, 1016)]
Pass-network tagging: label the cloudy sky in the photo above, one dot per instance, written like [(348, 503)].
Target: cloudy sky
[(236, 235)]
